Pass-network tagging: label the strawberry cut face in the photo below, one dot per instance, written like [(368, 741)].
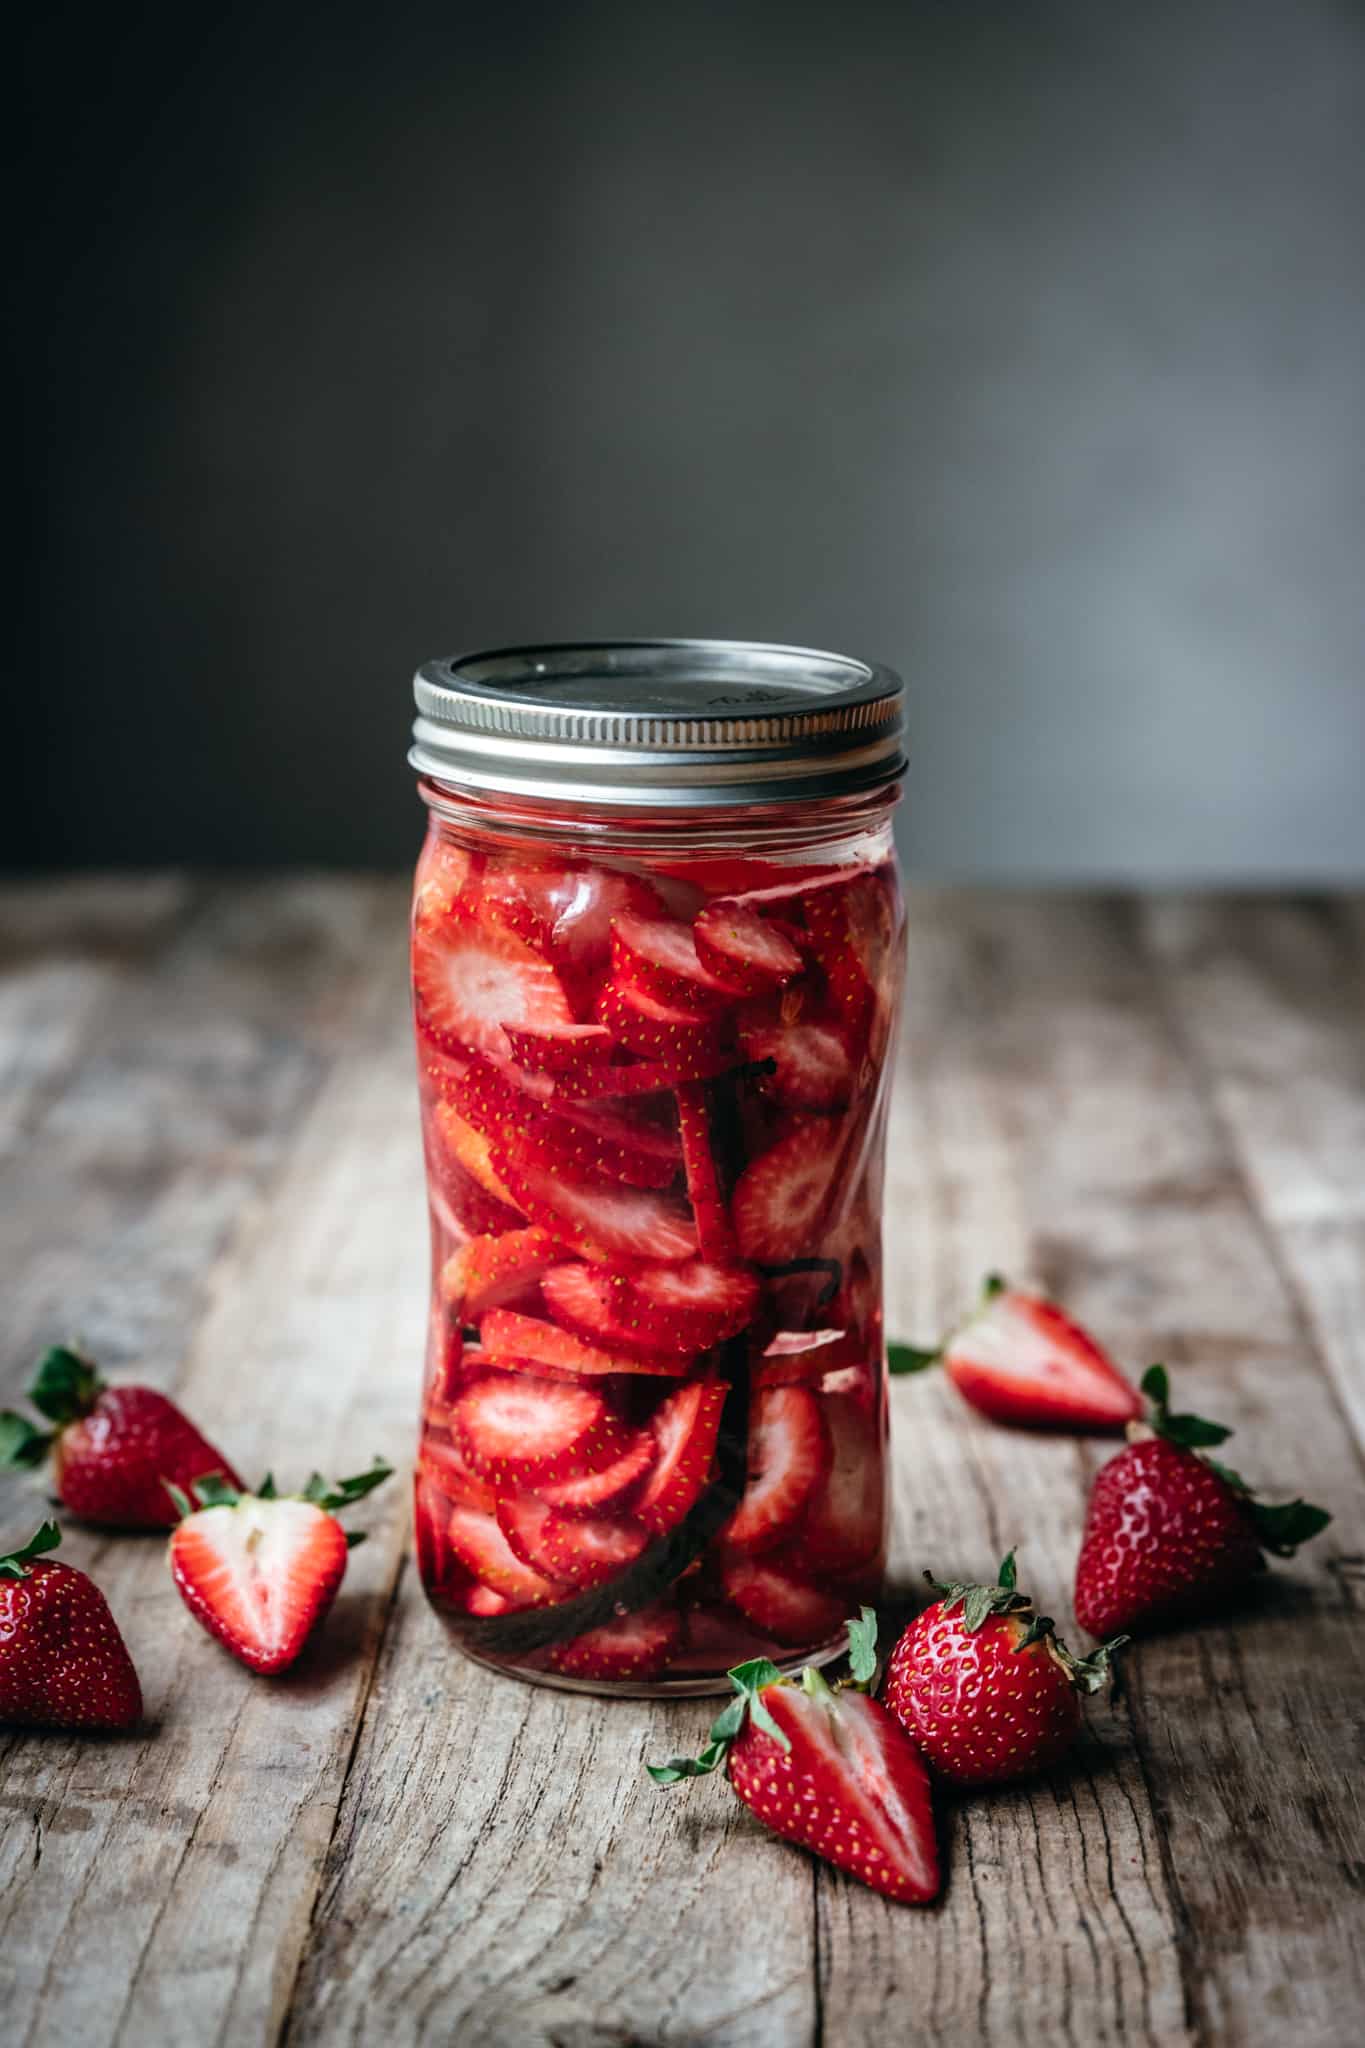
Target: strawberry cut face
[(259, 1575), (472, 976)]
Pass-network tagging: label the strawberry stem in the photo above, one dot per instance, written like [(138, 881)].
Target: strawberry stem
[(65, 1385), (45, 1537)]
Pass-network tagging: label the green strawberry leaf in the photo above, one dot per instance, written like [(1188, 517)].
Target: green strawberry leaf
[(346, 1491), (45, 1537), (1156, 1385), (993, 1285), (22, 1447), (65, 1385), (1089, 1674), (1009, 1577), (862, 1647), (211, 1490), (1190, 1432), (1281, 1528), (907, 1358), (749, 1681), (180, 1500)]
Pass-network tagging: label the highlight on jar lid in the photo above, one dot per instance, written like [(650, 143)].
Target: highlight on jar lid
[(699, 723)]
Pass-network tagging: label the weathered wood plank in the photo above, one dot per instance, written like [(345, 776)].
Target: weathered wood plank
[(1045, 1085), (1271, 996), (158, 1887)]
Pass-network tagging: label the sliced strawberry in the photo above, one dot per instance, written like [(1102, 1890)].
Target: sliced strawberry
[(597, 1489), (691, 1044), (569, 911), (510, 1426), (798, 1357), (786, 1608), (582, 1143), (639, 1645), (781, 1199), (600, 1221), (442, 1464), (488, 1271), (1022, 1360), (461, 1146), (479, 1543), (736, 943), (471, 976), (788, 1456), (617, 1077), (484, 1602), (812, 1067), (582, 1550), (560, 1048), (259, 1574), (430, 1513), (443, 862), (538, 1345), (844, 1526), (714, 1234), (852, 931), (671, 1311), (685, 1427), (659, 956)]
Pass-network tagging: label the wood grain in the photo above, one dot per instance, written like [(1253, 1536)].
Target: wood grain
[(209, 1167)]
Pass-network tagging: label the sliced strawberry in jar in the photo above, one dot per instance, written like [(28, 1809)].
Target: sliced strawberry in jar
[(470, 977), (598, 1306), (690, 1044), (714, 1233), (488, 1271), (607, 1485), (458, 1141), (685, 1427), (781, 1199), (659, 956), (442, 1464), (787, 1608), (430, 1513), (560, 1048), (487, 1604), (844, 1525), (742, 947), (810, 1065), (582, 1142), (852, 931), (602, 1222), (626, 1077), (537, 1344), (580, 1550), (696, 1304), (513, 1427), (788, 1456), (637, 1646), (482, 1548), (798, 1357)]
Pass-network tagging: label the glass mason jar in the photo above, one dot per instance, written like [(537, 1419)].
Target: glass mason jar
[(657, 944)]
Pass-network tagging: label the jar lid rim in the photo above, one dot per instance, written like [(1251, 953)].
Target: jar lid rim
[(698, 722)]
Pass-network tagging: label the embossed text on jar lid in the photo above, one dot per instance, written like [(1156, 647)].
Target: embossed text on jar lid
[(697, 723)]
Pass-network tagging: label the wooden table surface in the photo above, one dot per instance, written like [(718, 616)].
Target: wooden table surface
[(210, 1173)]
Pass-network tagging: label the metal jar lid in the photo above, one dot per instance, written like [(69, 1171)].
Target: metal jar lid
[(695, 723)]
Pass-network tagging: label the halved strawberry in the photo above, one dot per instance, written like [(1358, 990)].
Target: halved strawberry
[(639, 1645), (602, 1221), (479, 1543), (560, 1048), (538, 1345), (685, 1427), (609, 1483), (581, 1142), (659, 956), (780, 1200), (714, 1234), (511, 1426), (487, 1271), (788, 1609), (788, 1456), (1020, 1359), (812, 1067), (443, 1465), (844, 1525), (582, 1550), (735, 942), (691, 1044), (258, 1571), (471, 976)]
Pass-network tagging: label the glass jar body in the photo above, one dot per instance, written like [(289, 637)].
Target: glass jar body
[(654, 1063)]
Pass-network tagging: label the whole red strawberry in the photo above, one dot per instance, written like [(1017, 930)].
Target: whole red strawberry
[(1018, 1358), (827, 1767), (112, 1448), (63, 1663), (983, 1687), (1169, 1533)]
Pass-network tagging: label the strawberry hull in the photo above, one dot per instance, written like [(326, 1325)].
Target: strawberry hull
[(653, 1098)]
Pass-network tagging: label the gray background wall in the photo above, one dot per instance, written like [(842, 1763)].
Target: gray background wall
[(1021, 346)]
